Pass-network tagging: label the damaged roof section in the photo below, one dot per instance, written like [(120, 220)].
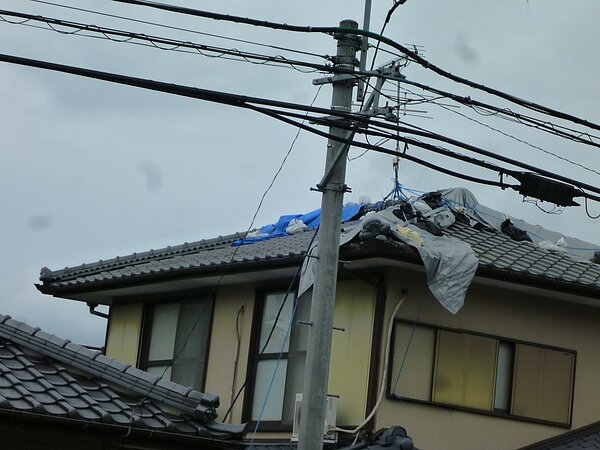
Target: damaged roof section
[(502, 252), (44, 375)]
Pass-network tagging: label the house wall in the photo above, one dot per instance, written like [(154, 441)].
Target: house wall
[(230, 300), (503, 313), (123, 335)]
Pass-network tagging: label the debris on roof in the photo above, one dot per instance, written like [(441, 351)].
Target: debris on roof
[(480, 227)]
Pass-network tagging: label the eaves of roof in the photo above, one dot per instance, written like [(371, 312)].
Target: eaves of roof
[(99, 430), (172, 265), (500, 257)]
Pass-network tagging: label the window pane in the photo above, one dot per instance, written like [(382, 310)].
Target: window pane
[(543, 380), (159, 371), (191, 343), (465, 370), (504, 375), (280, 338), (192, 329), (164, 328), (417, 372), (273, 408)]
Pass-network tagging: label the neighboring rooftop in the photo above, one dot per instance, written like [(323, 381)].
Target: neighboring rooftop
[(584, 438), (48, 377)]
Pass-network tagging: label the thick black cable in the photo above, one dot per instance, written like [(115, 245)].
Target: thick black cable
[(281, 117), (265, 59), (243, 102), (529, 121), (335, 30)]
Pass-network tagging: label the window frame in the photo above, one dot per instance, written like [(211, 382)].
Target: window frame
[(146, 328), (255, 357), (494, 412)]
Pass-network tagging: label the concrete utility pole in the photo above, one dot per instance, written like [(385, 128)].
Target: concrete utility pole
[(321, 315)]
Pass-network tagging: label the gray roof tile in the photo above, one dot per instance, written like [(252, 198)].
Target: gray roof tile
[(44, 374), (587, 437), (495, 251)]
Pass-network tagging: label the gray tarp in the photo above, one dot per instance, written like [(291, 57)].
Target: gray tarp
[(463, 197), (450, 263)]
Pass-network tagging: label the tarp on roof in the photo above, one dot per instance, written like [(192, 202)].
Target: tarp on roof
[(461, 197), (450, 264), (311, 220)]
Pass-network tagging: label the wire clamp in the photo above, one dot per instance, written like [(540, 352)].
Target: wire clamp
[(331, 187)]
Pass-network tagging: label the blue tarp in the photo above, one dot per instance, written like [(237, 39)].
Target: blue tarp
[(311, 220)]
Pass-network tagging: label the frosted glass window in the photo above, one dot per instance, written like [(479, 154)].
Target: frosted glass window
[(543, 383), (415, 379), (465, 370), (179, 340), (164, 329), (279, 340), (272, 404)]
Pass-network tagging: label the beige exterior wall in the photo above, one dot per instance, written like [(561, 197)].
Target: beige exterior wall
[(123, 336), (221, 355), (504, 313)]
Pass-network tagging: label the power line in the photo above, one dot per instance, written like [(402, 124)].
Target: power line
[(172, 44), (249, 102), (522, 141), (558, 130), (333, 30), (187, 30)]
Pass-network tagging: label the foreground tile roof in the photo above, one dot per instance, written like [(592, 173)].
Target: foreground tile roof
[(497, 253), (43, 374), (584, 438)]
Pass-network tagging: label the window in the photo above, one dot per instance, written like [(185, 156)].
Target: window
[(177, 341), (482, 373), (279, 377), (351, 351)]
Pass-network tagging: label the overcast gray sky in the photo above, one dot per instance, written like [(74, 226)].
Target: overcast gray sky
[(90, 170)]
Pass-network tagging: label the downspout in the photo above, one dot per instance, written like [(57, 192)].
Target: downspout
[(93, 311)]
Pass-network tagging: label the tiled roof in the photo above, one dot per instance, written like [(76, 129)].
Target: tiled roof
[(196, 256), (585, 438), (43, 374), (496, 252)]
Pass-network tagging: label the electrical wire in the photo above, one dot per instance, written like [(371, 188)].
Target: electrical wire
[(262, 350), (171, 44), (187, 30), (334, 30), (219, 281), (236, 352), (408, 344), (558, 130), (250, 102)]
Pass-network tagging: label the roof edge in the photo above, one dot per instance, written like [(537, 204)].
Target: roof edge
[(200, 406)]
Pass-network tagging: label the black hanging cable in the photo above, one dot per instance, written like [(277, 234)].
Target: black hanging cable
[(173, 44), (246, 101), (526, 120), (334, 30), (187, 30)]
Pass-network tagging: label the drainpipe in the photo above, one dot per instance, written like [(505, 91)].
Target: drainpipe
[(93, 311)]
